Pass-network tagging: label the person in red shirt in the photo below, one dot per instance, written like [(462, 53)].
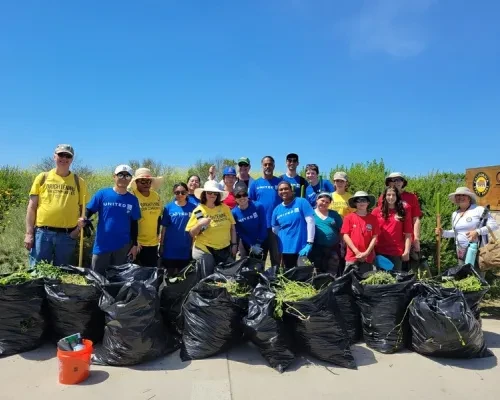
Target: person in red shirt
[(360, 230), (394, 219), (229, 178), (397, 180)]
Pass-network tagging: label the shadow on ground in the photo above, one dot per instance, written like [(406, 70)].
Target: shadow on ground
[(95, 378), (492, 339), (170, 362), (43, 353)]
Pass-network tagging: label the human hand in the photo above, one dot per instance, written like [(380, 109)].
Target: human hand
[(234, 250), (204, 222), (82, 222), (132, 254), (256, 249), (472, 236), (361, 255), (416, 245), (438, 231), (306, 250), (28, 241), (406, 256)]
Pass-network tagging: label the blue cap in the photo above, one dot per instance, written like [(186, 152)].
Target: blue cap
[(229, 171)]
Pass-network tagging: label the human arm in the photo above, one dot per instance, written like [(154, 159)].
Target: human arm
[(406, 252), (350, 244), (234, 240), (30, 222)]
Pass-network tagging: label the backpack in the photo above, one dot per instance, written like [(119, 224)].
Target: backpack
[(302, 181), (77, 184)]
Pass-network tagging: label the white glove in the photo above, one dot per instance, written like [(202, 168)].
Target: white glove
[(256, 249)]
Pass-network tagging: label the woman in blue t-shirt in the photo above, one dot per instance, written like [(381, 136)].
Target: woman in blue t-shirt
[(328, 223), (293, 223), (175, 242)]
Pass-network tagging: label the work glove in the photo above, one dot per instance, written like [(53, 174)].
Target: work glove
[(306, 250), (256, 249), (88, 229)]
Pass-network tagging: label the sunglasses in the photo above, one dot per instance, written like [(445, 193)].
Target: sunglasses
[(241, 195), (292, 160), (396, 180), (243, 165), (65, 155), (145, 181), (121, 175), (212, 193), (180, 193), (362, 201)]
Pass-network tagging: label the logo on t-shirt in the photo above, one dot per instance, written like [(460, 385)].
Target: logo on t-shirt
[(469, 219), (255, 215), (129, 208), (296, 209), (369, 227), (481, 184)]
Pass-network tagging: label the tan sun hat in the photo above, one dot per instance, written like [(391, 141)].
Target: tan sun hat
[(145, 173), (210, 186), (396, 175), (463, 190), (357, 195)]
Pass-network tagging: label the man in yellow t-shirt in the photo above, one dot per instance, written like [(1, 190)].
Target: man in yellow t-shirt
[(56, 198), (142, 186), (340, 198)]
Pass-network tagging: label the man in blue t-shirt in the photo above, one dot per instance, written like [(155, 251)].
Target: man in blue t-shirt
[(316, 184), (117, 226), (299, 183), (265, 191)]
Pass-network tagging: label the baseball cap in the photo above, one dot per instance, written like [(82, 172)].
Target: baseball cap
[(124, 168), (292, 155), (240, 187), (229, 171), (324, 194), (243, 160), (341, 175), (64, 148)]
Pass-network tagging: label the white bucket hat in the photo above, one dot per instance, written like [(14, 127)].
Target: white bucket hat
[(357, 195), (463, 190), (145, 173), (210, 186), (393, 175)]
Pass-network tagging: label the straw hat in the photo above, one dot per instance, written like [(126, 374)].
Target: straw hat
[(357, 195), (145, 173), (210, 186), (463, 190), (396, 175)]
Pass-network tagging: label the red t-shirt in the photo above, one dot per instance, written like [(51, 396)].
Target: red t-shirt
[(361, 230), (411, 199), (230, 201), (391, 239)]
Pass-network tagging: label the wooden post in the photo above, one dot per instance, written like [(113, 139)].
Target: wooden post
[(438, 236), (80, 255)]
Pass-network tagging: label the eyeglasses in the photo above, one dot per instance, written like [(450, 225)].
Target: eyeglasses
[(121, 175), (180, 192), (396, 180), (241, 195), (145, 181), (212, 193), (339, 180), (64, 155), (293, 160)]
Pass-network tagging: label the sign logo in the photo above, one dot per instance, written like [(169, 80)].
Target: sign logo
[(481, 184)]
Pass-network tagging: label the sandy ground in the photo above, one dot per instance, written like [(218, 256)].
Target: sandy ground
[(243, 374)]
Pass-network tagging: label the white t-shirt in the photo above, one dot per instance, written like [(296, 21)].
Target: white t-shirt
[(461, 224)]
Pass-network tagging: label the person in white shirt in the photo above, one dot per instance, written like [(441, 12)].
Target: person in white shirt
[(465, 222)]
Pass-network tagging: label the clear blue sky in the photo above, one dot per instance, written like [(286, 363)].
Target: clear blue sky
[(414, 82)]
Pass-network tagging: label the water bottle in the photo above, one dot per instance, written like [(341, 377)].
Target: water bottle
[(470, 258)]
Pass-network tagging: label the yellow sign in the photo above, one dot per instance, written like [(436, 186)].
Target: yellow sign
[(485, 183), (481, 184)]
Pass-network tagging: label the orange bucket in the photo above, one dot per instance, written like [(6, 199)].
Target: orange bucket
[(74, 366)]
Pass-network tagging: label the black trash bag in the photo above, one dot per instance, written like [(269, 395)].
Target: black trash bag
[(134, 331), (384, 311), (75, 308), (22, 317), (212, 320), (246, 270), (442, 325), (319, 329), (265, 331), (342, 291), (172, 295), (473, 298), (133, 273)]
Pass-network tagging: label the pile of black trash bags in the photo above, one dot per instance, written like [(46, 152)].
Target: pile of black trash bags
[(135, 314)]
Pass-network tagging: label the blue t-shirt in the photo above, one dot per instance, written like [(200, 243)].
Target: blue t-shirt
[(297, 181), (193, 199), (324, 185), (116, 211), (292, 236), (251, 223), (327, 231), (177, 242), (265, 191)]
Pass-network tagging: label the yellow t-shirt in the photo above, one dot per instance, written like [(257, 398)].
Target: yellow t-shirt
[(58, 203), (218, 233), (340, 203), (150, 212)]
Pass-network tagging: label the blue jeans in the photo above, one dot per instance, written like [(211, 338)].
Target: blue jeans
[(53, 247)]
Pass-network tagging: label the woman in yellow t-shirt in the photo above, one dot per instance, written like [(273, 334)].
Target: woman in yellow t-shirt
[(340, 198), (213, 228), (142, 186)]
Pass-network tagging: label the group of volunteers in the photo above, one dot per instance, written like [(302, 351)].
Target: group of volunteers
[(289, 218)]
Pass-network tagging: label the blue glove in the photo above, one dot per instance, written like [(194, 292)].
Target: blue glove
[(256, 249), (306, 250)]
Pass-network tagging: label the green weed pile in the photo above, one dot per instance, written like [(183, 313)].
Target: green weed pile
[(379, 278), (48, 271), (469, 284), (234, 288), (16, 278), (288, 291)]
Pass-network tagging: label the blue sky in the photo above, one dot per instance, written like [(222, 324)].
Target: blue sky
[(415, 83)]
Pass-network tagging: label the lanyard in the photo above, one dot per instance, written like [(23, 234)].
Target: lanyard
[(454, 225)]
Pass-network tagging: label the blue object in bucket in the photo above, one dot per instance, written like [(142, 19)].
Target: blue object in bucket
[(384, 263)]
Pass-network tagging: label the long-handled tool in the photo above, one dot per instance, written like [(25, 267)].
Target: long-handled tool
[(438, 236), (80, 255)]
